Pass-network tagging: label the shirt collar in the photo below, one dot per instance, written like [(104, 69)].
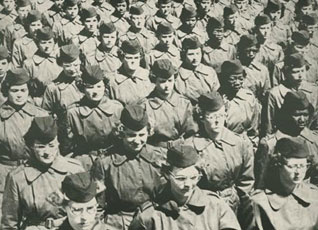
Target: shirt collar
[(156, 102), (7, 110), (104, 105)]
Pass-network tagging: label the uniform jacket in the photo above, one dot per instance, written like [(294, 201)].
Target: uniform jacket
[(33, 194), (161, 52), (153, 22), (23, 48), (12, 33), (193, 83), (205, 210)]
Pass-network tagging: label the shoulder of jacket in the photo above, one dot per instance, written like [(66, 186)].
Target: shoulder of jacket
[(73, 161)]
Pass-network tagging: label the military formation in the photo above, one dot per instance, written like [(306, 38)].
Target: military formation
[(159, 114)]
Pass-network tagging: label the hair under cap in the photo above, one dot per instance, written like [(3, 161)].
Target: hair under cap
[(182, 156), (92, 74), (134, 117), (43, 129), (79, 187), (17, 76), (211, 101), (292, 147)]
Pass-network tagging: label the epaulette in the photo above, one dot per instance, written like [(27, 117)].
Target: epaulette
[(245, 94), (143, 207)]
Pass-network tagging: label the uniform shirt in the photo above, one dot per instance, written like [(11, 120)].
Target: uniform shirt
[(87, 42), (33, 194), (161, 52), (228, 162), (281, 34), (12, 33), (145, 38), (130, 180), (52, 15), (193, 83), (66, 30), (153, 22), (43, 69), (245, 104), (13, 126), (275, 99), (215, 56), (257, 79), (267, 146), (172, 118), (204, 211), (89, 127), (198, 31), (23, 48), (107, 61), (121, 23), (6, 19), (129, 89), (60, 94), (149, 7), (297, 211), (269, 54), (104, 10)]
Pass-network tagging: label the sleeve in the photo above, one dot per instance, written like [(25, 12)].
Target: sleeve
[(268, 114), (8, 39), (189, 127), (246, 178), (143, 219), (48, 99), (261, 159), (227, 217), (17, 59), (11, 207)]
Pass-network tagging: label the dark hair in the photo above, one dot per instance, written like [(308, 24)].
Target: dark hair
[(5, 86)]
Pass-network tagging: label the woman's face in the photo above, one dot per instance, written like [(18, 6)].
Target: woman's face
[(109, 40), (46, 153), (72, 69), (135, 140), (294, 170), (91, 24), (183, 181), (18, 94), (193, 57), (46, 46), (214, 121), (82, 216), (235, 82), (94, 92), (165, 86)]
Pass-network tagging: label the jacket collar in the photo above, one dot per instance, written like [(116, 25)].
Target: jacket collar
[(173, 50), (32, 173), (6, 110), (38, 58), (121, 156), (27, 40), (276, 201), (138, 74), (156, 102), (100, 54), (104, 105)]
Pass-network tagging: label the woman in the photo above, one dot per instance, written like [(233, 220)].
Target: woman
[(17, 114), (239, 100), (181, 204), (129, 171), (92, 119), (287, 202), (170, 112), (228, 157), (31, 196)]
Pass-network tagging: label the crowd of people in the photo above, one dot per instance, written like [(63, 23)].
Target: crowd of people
[(159, 114)]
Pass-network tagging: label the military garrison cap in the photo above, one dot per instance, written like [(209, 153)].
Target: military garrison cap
[(79, 187), (69, 53), (17, 76), (301, 37), (70, 3), (23, 3), (130, 47), (229, 10), (33, 16), (262, 19), (92, 74), (136, 10), (191, 43), (247, 41), (107, 28), (165, 28), (43, 129), (294, 101), (89, 12), (211, 101), (182, 156), (292, 147), (163, 68), (231, 67), (309, 19), (45, 34), (188, 12), (295, 60), (134, 117)]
